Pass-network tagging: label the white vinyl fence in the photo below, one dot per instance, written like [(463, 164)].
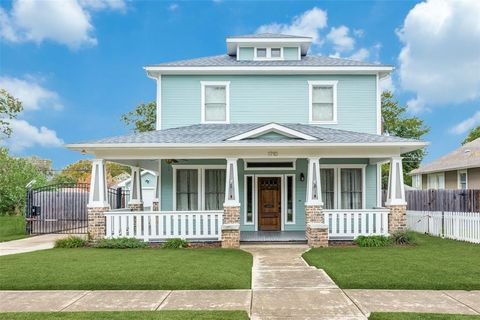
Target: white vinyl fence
[(463, 226), (164, 225), (349, 224)]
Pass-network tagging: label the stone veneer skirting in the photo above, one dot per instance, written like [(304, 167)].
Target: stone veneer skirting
[(96, 222), (231, 227), (135, 206), (316, 231), (397, 219)]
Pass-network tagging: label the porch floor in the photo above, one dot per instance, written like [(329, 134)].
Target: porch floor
[(272, 236)]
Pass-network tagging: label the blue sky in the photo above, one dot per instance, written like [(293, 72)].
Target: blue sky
[(77, 64)]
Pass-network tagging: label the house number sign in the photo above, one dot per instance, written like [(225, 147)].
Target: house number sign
[(272, 153)]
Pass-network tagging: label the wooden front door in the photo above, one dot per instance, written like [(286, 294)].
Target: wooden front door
[(269, 203)]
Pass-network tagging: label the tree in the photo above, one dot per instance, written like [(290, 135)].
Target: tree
[(9, 108), (80, 172), (142, 118), (473, 135), (15, 174), (396, 123)]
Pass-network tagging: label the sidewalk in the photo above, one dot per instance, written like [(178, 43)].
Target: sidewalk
[(30, 244), (283, 287)]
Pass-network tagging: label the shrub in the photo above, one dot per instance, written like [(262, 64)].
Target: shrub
[(175, 244), (403, 238), (372, 241), (70, 242), (121, 243)]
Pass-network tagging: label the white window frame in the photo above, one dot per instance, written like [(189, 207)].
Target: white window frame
[(269, 53), (246, 161), (254, 200), (312, 84), (459, 173), (417, 181), (201, 182), (437, 186), (337, 181), (285, 200), (226, 84)]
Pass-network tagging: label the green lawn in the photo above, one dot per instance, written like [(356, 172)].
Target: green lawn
[(12, 227), (132, 315), (117, 269), (434, 263), (419, 316)]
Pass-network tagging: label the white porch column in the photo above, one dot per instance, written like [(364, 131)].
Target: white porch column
[(158, 188), (396, 188), (136, 198), (231, 207), (397, 219), (97, 200), (316, 230)]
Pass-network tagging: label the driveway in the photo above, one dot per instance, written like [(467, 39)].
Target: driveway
[(42, 242)]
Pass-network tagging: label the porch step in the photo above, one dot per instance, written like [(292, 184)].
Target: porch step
[(273, 242)]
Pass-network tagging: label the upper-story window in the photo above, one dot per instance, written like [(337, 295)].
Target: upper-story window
[(268, 53), (323, 101), (215, 102)]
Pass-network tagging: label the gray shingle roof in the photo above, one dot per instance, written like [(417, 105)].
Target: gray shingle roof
[(219, 133), (467, 156), (231, 61), (269, 35)]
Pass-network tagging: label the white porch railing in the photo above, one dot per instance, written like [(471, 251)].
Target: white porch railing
[(349, 224), (164, 225), (463, 226)]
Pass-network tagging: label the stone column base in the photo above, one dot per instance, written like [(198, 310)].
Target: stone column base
[(397, 219), (96, 222), (317, 235), (231, 227), (135, 206), (155, 206), (231, 238)]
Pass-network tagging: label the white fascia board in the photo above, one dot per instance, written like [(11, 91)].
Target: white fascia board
[(153, 70), (269, 40), (272, 127)]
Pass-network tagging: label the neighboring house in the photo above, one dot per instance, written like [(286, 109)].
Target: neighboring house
[(148, 187), (257, 140), (460, 169)]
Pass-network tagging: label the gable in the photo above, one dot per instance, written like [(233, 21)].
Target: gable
[(273, 131)]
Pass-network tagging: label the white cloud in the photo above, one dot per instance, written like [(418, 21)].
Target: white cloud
[(308, 24), (386, 84), (359, 33), (25, 136), (467, 124), (440, 58), (173, 7), (66, 22), (31, 93), (341, 39), (361, 54)]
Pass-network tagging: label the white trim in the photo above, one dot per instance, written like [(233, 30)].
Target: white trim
[(459, 172), (332, 84), (159, 103), (282, 196), (338, 181), (245, 167), (269, 40), (254, 209), (232, 170), (313, 167), (201, 182), (226, 84), (379, 105), (379, 185), (285, 200), (272, 127)]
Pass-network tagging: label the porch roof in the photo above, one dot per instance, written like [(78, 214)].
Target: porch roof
[(206, 134)]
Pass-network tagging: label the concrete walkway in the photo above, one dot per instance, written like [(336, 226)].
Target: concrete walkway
[(30, 244), (284, 287)]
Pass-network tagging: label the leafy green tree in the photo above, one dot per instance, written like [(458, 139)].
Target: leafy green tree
[(15, 174), (473, 135), (397, 123), (9, 108), (142, 118), (80, 172)]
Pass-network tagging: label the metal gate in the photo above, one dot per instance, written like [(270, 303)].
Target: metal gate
[(62, 208)]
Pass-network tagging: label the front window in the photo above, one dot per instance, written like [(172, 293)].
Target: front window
[(276, 53), (215, 102), (327, 177), (214, 189), (351, 188), (187, 190), (462, 180), (322, 102), (261, 52)]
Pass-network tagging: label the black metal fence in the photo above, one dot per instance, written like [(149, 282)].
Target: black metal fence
[(62, 208)]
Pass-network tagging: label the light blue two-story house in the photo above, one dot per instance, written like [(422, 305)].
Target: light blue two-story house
[(263, 143)]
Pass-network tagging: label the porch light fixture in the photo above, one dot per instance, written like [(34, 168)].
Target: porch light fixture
[(302, 177)]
